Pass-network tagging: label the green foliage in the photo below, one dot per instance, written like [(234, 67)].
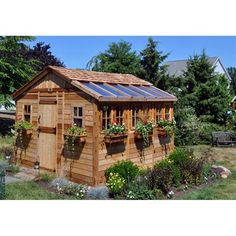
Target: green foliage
[(97, 193), (76, 190), (46, 177), (115, 129), (23, 125), (164, 175), (187, 126), (152, 69), (125, 169), (6, 150), (75, 131), (232, 74), (145, 129), (137, 192), (15, 70), (190, 167), (204, 90), (14, 169), (167, 125), (118, 58), (115, 183)]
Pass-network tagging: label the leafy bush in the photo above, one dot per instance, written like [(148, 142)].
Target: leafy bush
[(190, 167), (3, 164), (205, 132), (115, 129), (76, 190), (59, 182), (125, 168), (46, 177), (115, 183), (137, 192), (164, 175), (97, 193), (145, 129)]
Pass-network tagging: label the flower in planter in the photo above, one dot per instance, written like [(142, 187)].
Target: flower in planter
[(145, 128), (22, 125), (170, 194), (167, 125), (115, 129)]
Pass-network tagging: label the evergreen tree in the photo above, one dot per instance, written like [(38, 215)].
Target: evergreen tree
[(205, 91), (152, 68), (118, 58), (232, 74)]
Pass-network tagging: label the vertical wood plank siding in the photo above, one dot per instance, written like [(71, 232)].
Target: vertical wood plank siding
[(87, 163)]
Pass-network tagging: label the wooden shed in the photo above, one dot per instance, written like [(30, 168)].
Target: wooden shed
[(57, 98)]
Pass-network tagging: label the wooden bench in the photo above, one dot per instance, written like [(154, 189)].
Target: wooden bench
[(223, 139)]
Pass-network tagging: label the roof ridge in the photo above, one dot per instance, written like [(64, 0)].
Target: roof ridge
[(217, 57)]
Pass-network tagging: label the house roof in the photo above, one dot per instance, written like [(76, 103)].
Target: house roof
[(104, 86), (178, 67)]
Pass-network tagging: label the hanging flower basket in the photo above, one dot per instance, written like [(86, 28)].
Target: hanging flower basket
[(75, 138), (115, 138), (161, 131), (138, 135)]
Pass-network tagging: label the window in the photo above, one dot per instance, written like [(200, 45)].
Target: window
[(78, 116), (167, 112), (27, 113), (158, 113), (119, 116), (106, 117), (135, 116)]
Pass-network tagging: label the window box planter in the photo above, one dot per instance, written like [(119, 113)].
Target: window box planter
[(138, 135), (25, 131), (161, 131), (116, 138), (75, 139)]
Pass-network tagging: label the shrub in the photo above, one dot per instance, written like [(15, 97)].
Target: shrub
[(4, 165), (97, 193), (190, 167), (125, 168), (76, 190), (137, 192), (163, 176), (59, 183), (46, 177), (115, 183)]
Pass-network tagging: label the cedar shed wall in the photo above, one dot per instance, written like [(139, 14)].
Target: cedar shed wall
[(76, 164)]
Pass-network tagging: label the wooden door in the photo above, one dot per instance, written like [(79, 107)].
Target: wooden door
[(47, 136)]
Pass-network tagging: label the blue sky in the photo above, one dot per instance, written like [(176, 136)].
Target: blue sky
[(76, 51)]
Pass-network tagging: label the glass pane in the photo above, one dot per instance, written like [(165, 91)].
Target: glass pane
[(96, 89), (149, 90), (142, 93), (75, 111), (108, 88), (80, 111), (125, 90), (78, 122)]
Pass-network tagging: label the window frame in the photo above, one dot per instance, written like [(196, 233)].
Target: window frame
[(106, 117), (77, 116), (169, 113), (28, 113)]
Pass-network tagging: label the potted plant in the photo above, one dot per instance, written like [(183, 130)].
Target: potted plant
[(23, 127), (165, 127), (75, 134), (115, 133), (144, 130)]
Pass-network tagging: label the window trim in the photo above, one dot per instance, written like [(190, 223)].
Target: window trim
[(30, 114), (78, 117)]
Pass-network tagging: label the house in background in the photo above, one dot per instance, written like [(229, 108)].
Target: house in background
[(57, 98), (178, 67)]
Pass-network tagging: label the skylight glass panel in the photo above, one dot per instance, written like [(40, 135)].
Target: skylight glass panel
[(127, 91), (138, 89), (112, 90), (97, 89)]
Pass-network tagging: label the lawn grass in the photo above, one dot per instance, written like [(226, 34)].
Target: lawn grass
[(222, 189), (31, 191)]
